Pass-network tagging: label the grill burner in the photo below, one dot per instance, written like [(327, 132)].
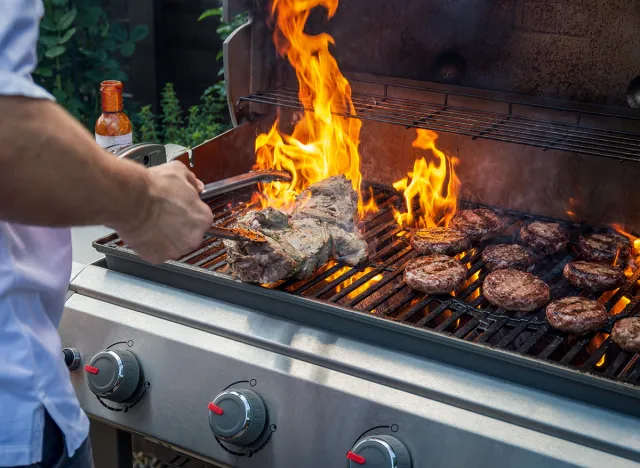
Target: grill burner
[(378, 289), (506, 127)]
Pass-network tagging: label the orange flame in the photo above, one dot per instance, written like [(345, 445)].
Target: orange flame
[(322, 144), (635, 241), (435, 184)]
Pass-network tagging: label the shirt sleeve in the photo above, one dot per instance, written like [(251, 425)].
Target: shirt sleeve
[(19, 29)]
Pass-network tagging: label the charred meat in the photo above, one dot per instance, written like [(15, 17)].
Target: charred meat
[(435, 274), (505, 256), (515, 290), (626, 334), (440, 240), (547, 238), (594, 276), (299, 244), (577, 315), (606, 248), (479, 224)]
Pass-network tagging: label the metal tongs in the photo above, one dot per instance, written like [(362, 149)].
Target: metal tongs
[(243, 180), (234, 183)]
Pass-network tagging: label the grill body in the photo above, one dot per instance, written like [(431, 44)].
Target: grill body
[(540, 128)]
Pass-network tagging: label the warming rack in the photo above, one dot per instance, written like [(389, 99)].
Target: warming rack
[(507, 127)]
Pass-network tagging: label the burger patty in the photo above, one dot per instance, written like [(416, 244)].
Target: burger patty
[(440, 240), (515, 290), (606, 248), (626, 334), (547, 238), (504, 256), (577, 315), (435, 274), (594, 276), (478, 224)]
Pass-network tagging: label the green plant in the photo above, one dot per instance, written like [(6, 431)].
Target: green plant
[(203, 121), (79, 46)]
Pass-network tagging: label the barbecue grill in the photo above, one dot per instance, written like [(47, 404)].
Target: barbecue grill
[(351, 361)]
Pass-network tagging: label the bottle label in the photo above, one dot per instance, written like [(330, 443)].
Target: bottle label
[(114, 143)]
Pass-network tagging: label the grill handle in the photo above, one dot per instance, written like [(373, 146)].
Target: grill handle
[(244, 180)]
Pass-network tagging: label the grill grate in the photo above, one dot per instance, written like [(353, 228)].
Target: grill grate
[(378, 288), (505, 127)]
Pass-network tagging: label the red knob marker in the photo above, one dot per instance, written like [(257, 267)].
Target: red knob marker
[(354, 457), (91, 369), (215, 408)]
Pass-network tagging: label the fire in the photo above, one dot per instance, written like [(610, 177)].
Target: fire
[(594, 344), (348, 282), (635, 241), (434, 184), (323, 144)]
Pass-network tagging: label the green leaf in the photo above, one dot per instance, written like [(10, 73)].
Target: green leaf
[(59, 2), (118, 32), (48, 24), (111, 64), (67, 19), (127, 48), (68, 35), (118, 75), (90, 16), (44, 71), (139, 32), (48, 41), (210, 12), (94, 75), (219, 55), (59, 94), (109, 44), (55, 51), (101, 55)]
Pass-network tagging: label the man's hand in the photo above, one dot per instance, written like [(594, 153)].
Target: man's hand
[(175, 219)]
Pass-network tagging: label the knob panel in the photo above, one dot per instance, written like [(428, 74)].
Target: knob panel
[(114, 374), (238, 416), (379, 451)]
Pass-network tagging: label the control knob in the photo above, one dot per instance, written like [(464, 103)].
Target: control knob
[(379, 451), (114, 374), (71, 358), (237, 416)]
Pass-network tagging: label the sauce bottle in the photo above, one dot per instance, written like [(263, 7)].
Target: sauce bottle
[(113, 128)]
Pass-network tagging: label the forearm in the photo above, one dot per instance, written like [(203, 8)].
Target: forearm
[(52, 173)]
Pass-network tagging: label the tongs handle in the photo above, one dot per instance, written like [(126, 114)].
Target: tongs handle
[(244, 180), (236, 234)]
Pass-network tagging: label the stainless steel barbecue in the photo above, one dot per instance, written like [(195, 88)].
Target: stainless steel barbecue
[(351, 367)]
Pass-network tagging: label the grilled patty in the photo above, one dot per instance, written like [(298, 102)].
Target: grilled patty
[(605, 248), (478, 224), (515, 290), (577, 315), (594, 276), (626, 334), (547, 238), (435, 274), (440, 240), (504, 256)]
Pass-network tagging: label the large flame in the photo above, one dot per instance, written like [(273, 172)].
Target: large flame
[(322, 144), (434, 184)]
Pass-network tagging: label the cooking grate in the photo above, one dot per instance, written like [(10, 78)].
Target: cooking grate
[(378, 289), (506, 127)]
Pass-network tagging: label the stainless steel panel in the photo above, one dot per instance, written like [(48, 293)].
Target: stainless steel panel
[(319, 412), (494, 398)]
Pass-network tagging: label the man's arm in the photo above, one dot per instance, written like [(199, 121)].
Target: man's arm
[(52, 172)]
